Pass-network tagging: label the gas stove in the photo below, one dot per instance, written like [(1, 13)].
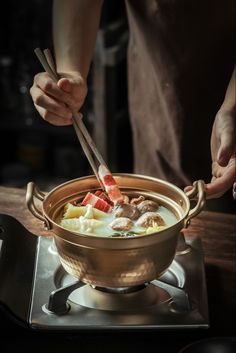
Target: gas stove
[(38, 292)]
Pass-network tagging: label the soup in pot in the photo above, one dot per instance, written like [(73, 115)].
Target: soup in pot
[(96, 215)]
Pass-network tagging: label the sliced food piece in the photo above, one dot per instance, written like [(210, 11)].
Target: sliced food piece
[(110, 185), (103, 196), (96, 202)]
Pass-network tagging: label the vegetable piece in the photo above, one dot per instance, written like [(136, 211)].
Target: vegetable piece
[(110, 185), (81, 224), (72, 211), (96, 202)]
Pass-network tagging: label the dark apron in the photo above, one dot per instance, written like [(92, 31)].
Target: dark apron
[(180, 59)]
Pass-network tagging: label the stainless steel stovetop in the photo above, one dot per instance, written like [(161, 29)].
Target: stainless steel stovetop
[(176, 300)]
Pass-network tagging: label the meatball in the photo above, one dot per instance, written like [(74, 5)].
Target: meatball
[(126, 210), (150, 219), (148, 206), (121, 223)]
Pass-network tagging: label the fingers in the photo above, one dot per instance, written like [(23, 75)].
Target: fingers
[(188, 188), (49, 87), (216, 188), (226, 149), (213, 189), (55, 101), (225, 130), (219, 185), (49, 108), (222, 180), (50, 104), (50, 101), (52, 117)]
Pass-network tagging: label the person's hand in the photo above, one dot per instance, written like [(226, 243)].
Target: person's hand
[(54, 101), (223, 153)]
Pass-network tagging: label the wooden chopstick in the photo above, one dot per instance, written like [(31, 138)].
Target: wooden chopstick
[(90, 142), (50, 61), (45, 64), (86, 151), (84, 137)]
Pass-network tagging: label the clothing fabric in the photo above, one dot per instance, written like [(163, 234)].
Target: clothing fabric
[(180, 59)]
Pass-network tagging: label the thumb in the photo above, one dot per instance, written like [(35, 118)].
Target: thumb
[(65, 85), (226, 148)]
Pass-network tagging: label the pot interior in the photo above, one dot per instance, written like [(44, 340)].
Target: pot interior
[(166, 194)]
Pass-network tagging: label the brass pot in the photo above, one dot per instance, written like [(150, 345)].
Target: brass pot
[(116, 262)]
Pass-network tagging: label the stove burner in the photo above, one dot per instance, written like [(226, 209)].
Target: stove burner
[(128, 298), (177, 299), (105, 298), (123, 290)]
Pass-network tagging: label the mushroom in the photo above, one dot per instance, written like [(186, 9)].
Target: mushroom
[(121, 223), (148, 206), (126, 210), (137, 200), (150, 219)]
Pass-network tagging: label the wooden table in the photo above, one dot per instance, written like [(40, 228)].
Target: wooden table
[(218, 234)]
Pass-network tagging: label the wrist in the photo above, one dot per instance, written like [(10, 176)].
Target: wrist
[(227, 111), (228, 108), (70, 72)]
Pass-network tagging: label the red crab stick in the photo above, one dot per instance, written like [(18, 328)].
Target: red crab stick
[(96, 202), (104, 197), (110, 185)]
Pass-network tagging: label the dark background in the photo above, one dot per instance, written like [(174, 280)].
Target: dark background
[(32, 149)]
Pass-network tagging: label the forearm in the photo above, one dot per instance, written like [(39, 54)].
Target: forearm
[(75, 26)]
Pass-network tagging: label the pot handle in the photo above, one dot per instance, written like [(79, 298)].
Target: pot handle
[(199, 191), (31, 193)]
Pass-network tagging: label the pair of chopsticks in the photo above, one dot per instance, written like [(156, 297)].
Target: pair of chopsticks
[(46, 59)]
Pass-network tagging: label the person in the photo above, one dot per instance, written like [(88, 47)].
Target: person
[(181, 83)]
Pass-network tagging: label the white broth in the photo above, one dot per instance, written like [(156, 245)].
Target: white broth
[(90, 221)]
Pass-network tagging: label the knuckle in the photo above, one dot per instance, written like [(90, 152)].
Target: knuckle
[(47, 86), (38, 99), (58, 111), (46, 115), (58, 108), (36, 77)]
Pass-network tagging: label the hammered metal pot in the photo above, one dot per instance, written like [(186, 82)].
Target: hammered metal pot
[(116, 262)]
